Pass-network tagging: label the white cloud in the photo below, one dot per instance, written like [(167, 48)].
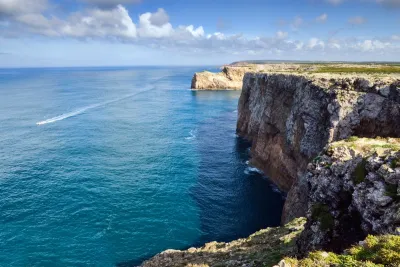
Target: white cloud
[(315, 43), (15, 7), (322, 18), (110, 3), (281, 35), (155, 24), (100, 23), (371, 45), (159, 18), (155, 30), (358, 20), (198, 32)]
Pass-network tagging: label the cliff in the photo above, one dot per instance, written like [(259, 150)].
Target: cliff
[(354, 191), (329, 140), (228, 78), (290, 118), (231, 76)]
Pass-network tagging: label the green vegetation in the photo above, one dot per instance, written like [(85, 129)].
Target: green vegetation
[(317, 159), (391, 191), (320, 212), (387, 146), (263, 248), (364, 69), (352, 139), (395, 163), (367, 146), (360, 172), (375, 251)]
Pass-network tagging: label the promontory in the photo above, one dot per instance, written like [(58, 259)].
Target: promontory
[(329, 136)]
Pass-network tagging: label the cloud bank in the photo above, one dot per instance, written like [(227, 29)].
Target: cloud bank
[(109, 21)]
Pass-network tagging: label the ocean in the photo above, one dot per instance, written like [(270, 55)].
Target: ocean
[(110, 166)]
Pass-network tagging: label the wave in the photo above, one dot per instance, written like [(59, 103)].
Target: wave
[(250, 170), (84, 109), (192, 134)]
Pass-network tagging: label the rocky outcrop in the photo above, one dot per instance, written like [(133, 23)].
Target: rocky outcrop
[(231, 76), (302, 129), (290, 118), (228, 78), (263, 248), (354, 190)]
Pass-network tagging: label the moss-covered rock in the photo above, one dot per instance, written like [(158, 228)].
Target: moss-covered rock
[(374, 251), (353, 191), (263, 248)]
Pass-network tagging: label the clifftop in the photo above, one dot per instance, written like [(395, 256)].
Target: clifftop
[(324, 75), (328, 134)]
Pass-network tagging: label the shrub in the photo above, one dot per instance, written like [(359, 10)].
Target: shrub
[(360, 172), (320, 212)]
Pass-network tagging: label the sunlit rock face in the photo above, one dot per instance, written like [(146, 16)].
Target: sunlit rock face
[(229, 78), (290, 119), (354, 190)]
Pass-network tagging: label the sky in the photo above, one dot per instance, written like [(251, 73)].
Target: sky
[(61, 33)]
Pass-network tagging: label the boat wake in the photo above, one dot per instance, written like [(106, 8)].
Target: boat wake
[(84, 109)]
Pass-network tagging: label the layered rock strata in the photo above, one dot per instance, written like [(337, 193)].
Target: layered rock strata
[(290, 118), (228, 78)]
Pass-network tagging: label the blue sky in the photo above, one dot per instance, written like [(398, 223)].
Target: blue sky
[(191, 32)]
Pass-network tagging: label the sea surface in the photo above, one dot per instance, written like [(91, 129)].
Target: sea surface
[(109, 166)]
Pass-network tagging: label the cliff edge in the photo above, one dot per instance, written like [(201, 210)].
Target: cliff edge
[(290, 118), (228, 78), (354, 192)]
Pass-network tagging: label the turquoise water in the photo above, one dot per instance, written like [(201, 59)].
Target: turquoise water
[(109, 166)]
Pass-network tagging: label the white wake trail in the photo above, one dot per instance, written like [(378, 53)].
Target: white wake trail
[(84, 109), (67, 115)]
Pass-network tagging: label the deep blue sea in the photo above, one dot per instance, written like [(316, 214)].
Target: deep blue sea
[(109, 166)]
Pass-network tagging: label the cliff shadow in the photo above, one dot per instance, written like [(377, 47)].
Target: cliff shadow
[(234, 199)]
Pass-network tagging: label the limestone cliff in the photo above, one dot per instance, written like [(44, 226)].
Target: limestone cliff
[(290, 118), (354, 190), (302, 127), (228, 78)]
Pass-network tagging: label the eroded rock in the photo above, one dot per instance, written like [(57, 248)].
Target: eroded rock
[(352, 197), (290, 118)]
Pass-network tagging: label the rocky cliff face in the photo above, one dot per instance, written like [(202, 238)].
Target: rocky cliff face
[(302, 129), (354, 190), (228, 78), (290, 118)]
